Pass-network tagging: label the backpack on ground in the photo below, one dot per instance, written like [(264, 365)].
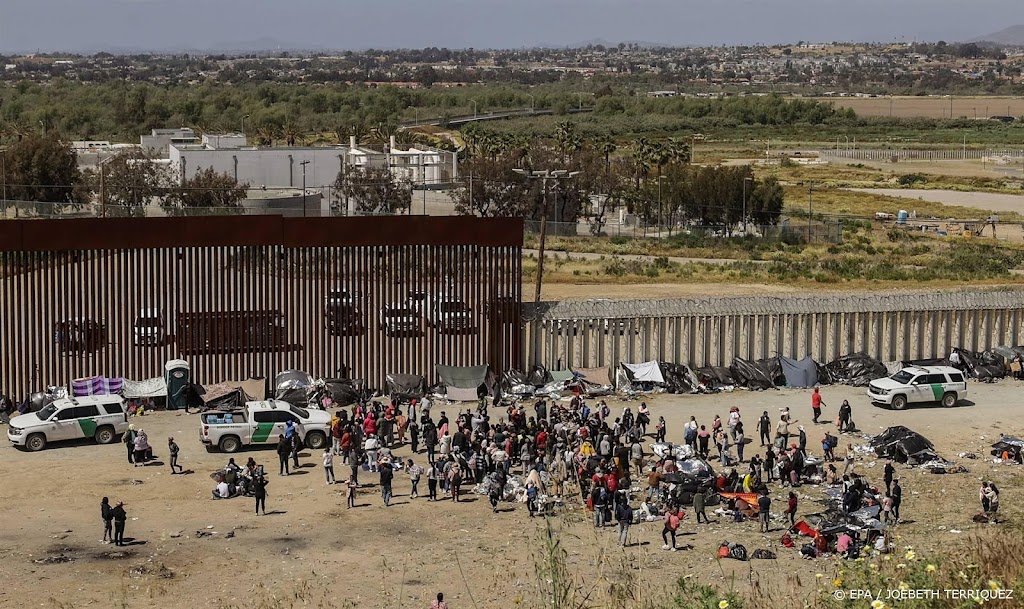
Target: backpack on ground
[(763, 554), (738, 552)]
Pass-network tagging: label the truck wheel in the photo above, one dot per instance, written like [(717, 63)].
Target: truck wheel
[(104, 435), (316, 440), (36, 442), (949, 400), (229, 444), (899, 402)]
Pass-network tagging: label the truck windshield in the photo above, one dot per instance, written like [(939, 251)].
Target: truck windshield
[(46, 412), (302, 413), (903, 377)]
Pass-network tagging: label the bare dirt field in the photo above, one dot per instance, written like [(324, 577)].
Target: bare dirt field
[(931, 107), (311, 551), (992, 201)]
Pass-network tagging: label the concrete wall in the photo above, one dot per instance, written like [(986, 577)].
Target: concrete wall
[(714, 331), (262, 166)]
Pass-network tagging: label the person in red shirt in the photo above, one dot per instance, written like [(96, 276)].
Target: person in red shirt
[(791, 508), (816, 403)]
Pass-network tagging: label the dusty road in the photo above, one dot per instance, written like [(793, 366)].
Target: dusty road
[(311, 550)]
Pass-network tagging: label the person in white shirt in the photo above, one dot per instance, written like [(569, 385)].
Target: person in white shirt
[(329, 466), (370, 446), (223, 491)]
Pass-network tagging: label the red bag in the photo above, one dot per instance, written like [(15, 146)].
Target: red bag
[(787, 540), (590, 504), (723, 552)]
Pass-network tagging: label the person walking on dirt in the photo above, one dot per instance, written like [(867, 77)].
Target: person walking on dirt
[(284, 448), (129, 441), (329, 465), (764, 504), (350, 495), (107, 514), (259, 491), (698, 505), (764, 428), (172, 450), (889, 472), (439, 603), (624, 514), (845, 416), (848, 461), (120, 517), (387, 475), (415, 472), (816, 404), (897, 499), (296, 447), (791, 508), (673, 518)]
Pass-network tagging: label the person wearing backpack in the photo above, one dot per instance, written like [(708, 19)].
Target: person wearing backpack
[(624, 514), (673, 518)]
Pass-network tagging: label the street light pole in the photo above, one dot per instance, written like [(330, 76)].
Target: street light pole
[(304, 163), (243, 124)]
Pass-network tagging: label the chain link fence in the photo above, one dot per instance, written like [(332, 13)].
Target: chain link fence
[(792, 231)]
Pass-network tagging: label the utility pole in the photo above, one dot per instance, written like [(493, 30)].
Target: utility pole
[(810, 210), (304, 163), (545, 176), (243, 125), (3, 175)]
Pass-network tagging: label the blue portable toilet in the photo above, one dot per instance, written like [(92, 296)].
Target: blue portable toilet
[(901, 218)]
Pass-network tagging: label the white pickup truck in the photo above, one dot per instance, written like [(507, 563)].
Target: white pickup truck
[(261, 423)]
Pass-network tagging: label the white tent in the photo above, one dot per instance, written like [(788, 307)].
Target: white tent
[(647, 372), (155, 387)]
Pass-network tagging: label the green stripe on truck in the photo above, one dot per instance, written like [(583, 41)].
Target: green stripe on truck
[(262, 432), (88, 427)]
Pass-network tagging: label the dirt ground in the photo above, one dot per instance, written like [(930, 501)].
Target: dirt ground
[(311, 549), (931, 107)]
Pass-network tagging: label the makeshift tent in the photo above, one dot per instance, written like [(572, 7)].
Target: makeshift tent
[(96, 385), (758, 374), (678, 378), (150, 388), (984, 366), (803, 373), (405, 387), (562, 375), (904, 446), (538, 376), (293, 386), (1010, 445), (466, 383), (647, 372), (344, 392), (715, 378), (594, 376), (857, 369), (515, 383), (228, 395)]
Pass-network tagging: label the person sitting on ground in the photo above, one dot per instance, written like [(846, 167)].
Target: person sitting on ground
[(223, 490)]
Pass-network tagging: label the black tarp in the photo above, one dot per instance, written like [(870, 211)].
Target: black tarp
[(984, 366), (678, 378), (903, 445), (857, 369), (345, 392), (405, 387), (538, 376), (293, 386), (802, 373), (758, 374), (1008, 444), (230, 401), (715, 378)]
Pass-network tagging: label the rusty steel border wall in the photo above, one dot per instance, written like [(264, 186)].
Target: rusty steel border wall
[(108, 270), (713, 331)]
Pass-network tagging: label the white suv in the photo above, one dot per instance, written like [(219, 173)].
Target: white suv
[(916, 384), (101, 417)]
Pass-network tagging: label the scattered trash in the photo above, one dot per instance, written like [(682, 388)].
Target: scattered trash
[(53, 560)]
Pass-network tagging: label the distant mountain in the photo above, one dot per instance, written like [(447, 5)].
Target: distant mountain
[(1012, 36)]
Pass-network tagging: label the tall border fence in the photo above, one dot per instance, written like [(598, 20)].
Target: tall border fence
[(713, 331), (251, 296), (1009, 156)]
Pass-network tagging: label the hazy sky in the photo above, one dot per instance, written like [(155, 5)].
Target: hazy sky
[(85, 25)]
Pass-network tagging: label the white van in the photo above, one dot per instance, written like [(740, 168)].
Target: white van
[(101, 417)]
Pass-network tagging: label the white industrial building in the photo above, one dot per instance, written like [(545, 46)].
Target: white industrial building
[(158, 142), (278, 167)]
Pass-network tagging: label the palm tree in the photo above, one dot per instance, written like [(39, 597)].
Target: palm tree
[(642, 156), (678, 151), (567, 138), (606, 145), (291, 133), (383, 132)]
